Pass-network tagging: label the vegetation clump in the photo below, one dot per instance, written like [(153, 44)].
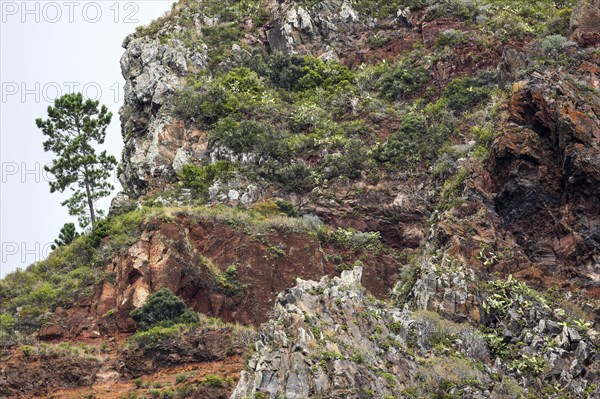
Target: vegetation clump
[(164, 309), (198, 179)]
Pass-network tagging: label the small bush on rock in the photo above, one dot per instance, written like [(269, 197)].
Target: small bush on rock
[(199, 178), (165, 309), (215, 381), (401, 80)]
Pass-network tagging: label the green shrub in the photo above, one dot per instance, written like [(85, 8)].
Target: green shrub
[(464, 93), (163, 308), (286, 208), (451, 37), (360, 240), (215, 381), (155, 335), (167, 394), (377, 41), (242, 136), (323, 74), (555, 42), (198, 179), (204, 106), (219, 39), (266, 208), (243, 80), (300, 73), (311, 223), (331, 355), (295, 177), (283, 70), (401, 80), (559, 24), (404, 146), (349, 162), (450, 195), (409, 275), (179, 378), (98, 232), (275, 253), (27, 351), (529, 365), (307, 117), (395, 327), (227, 281), (7, 323)]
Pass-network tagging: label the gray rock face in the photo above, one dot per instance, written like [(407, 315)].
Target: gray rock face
[(316, 345), (530, 340), (449, 289), (297, 28), (329, 339), (156, 145), (121, 203)]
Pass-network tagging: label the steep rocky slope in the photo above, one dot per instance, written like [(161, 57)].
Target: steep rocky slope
[(329, 339), (231, 272), (442, 154)]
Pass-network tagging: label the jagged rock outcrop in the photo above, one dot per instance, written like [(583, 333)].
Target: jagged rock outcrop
[(317, 344), (156, 144), (297, 28), (329, 339), (545, 176), (156, 63), (448, 287)]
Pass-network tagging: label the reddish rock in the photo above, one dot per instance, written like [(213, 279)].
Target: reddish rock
[(187, 254), (544, 179), (50, 331), (584, 24)]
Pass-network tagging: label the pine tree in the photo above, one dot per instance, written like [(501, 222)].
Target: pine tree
[(66, 236), (72, 126)]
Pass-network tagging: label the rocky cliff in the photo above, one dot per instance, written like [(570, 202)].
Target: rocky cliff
[(329, 339), (360, 198)]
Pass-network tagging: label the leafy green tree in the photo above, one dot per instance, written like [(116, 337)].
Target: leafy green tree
[(73, 125), (66, 236), (163, 308)]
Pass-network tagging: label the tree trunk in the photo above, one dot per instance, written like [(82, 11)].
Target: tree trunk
[(89, 198)]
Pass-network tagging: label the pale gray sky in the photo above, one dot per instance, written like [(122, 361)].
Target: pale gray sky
[(49, 48)]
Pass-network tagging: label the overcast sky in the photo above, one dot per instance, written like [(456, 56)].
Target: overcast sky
[(48, 48)]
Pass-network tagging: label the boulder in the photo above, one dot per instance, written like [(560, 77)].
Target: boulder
[(584, 23)]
